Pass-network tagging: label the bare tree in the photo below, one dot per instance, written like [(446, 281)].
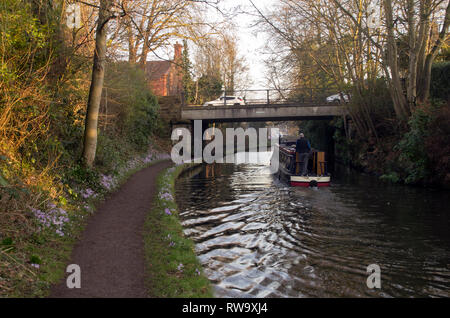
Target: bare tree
[(408, 22), (337, 37), (234, 66), (152, 24), (322, 50), (95, 92), (146, 25), (218, 57), (426, 52)]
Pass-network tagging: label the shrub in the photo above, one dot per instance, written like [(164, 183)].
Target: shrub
[(44, 85), (81, 176), (391, 177), (437, 145), (141, 121), (440, 79), (131, 105), (413, 155)]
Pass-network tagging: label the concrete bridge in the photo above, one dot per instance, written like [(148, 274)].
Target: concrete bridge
[(261, 112), (260, 105)]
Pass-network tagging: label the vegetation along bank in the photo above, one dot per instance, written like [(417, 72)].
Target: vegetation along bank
[(173, 267)]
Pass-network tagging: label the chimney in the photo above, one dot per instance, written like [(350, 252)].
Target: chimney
[(178, 47)]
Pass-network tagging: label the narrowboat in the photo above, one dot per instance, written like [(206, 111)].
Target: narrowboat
[(290, 166)]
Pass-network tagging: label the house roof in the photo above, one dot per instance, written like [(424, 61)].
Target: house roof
[(156, 69)]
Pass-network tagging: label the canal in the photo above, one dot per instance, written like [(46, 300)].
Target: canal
[(257, 237)]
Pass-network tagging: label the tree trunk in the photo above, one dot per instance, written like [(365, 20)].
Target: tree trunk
[(131, 43), (425, 73), (400, 103), (424, 34), (95, 92), (144, 52), (412, 67), (426, 78)]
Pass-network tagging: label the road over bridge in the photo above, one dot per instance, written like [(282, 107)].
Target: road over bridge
[(261, 112)]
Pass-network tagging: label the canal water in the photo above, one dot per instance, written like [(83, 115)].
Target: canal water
[(257, 237)]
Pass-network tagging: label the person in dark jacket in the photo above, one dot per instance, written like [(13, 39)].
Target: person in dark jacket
[(303, 148)]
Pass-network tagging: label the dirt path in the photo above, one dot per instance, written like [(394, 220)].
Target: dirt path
[(111, 250)]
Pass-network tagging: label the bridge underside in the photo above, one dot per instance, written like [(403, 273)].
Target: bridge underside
[(251, 113)]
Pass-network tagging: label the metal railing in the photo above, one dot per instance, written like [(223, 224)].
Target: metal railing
[(297, 96)]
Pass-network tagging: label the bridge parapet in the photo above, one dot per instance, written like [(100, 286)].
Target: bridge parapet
[(261, 112), (295, 96)]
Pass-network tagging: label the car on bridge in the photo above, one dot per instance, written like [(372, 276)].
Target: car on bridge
[(338, 98), (226, 100)]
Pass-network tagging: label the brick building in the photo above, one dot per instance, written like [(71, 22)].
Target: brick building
[(165, 77)]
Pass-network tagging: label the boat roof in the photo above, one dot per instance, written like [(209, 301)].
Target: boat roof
[(289, 149), (288, 138)]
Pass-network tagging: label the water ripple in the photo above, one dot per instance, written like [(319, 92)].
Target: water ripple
[(256, 237)]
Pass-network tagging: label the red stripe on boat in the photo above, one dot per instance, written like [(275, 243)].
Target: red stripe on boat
[(306, 184)]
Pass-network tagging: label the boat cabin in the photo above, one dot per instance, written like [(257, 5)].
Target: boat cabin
[(290, 165)]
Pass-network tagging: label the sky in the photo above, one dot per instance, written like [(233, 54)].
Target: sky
[(251, 40)]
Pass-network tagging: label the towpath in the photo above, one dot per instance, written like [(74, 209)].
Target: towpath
[(111, 250)]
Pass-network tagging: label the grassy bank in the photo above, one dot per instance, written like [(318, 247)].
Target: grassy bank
[(173, 268)]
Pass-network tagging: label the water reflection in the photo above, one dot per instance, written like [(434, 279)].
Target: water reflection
[(257, 237)]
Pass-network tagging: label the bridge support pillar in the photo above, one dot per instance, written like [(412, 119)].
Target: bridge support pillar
[(197, 129)]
